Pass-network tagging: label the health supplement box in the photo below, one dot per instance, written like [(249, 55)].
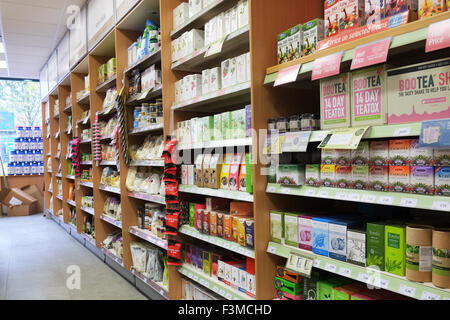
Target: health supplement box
[(419, 92), (375, 245), (305, 232), (291, 174), (356, 246), (343, 176), (399, 152), (276, 226), (312, 175), (422, 180), (379, 153), (441, 157), (225, 172), (420, 156), (337, 235), (428, 8), (361, 155), (328, 175), (351, 14), (395, 252), (442, 181), (291, 229), (328, 156), (313, 32), (374, 11), (335, 102), (295, 42), (320, 234), (331, 17), (379, 178), (360, 177), (369, 100), (399, 178), (283, 47)]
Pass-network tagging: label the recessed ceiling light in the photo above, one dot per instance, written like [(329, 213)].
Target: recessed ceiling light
[(2, 48), (3, 64)]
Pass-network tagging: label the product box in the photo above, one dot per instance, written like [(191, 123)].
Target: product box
[(328, 156), (351, 14), (295, 42), (356, 246), (325, 287), (243, 175), (101, 74), (291, 229), (305, 232), (375, 245), (243, 280), (205, 82), (243, 13), (369, 100), (343, 176), (234, 19), (215, 79), (241, 69), (422, 180), (205, 167), (361, 155), (214, 171), (399, 178), (420, 156), (180, 14), (428, 8), (220, 216), (379, 153), (335, 111), (313, 32), (283, 47), (250, 233), (312, 175), (399, 152), (232, 73), (226, 125), (111, 68), (395, 251), (228, 227), (291, 288), (331, 17), (288, 275), (198, 172), (360, 177), (249, 170), (320, 236), (337, 235), (241, 209), (310, 285), (248, 120), (207, 263), (291, 174), (343, 157), (441, 157), (218, 127), (184, 173), (374, 11), (195, 6), (234, 172), (379, 178), (328, 175), (418, 92), (241, 231), (213, 223), (191, 174), (395, 7), (276, 226), (225, 172), (442, 181)]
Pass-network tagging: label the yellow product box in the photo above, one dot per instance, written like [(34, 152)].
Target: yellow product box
[(225, 172), (328, 175), (241, 231), (428, 8)]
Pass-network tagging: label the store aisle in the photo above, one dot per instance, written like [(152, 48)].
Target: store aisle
[(34, 256)]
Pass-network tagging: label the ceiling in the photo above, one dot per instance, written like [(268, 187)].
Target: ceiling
[(31, 30)]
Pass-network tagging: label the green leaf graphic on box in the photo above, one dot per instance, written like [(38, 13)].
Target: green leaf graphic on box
[(392, 265), (420, 160), (412, 249), (373, 260), (398, 160)]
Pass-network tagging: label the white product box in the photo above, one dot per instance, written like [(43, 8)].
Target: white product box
[(195, 6), (205, 81), (225, 67), (180, 14), (184, 174), (174, 50), (220, 26), (227, 22), (228, 272), (213, 30), (190, 174), (235, 277), (241, 68), (207, 33), (233, 72), (248, 65), (251, 286), (234, 19), (215, 79), (243, 280), (195, 40), (243, 13), (221, 270)]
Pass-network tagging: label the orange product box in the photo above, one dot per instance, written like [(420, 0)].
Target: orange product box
[(399, 152), (213, 223), (228, 227), (241, 208)]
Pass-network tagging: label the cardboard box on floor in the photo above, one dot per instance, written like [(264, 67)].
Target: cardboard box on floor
[(33, 190), (18, 202)]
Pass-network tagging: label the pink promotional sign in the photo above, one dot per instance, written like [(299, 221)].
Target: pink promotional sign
[(371, 53), (327, 66), (438, 36), (287, 75)]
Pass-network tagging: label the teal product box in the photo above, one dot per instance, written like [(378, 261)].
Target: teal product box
[(337, 235), (320, 235)]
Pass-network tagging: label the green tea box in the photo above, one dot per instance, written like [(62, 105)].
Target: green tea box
[(369, 100), (295, 42), (379, 153), (399, 178), (207, 128), (312, 175), (226, 125), (310, 285), (442, 181), (343, 157), (234, 124), (379, 178), (441, 157), (335, 102), (218, 127), (420, 156), (328, 156), (291, 229), (343, 176), (328, 175), (361, 155), (325, 287), (291, 174), (276, 226), (399, 152), (283, 47), (192, 214), (360, 177), (356, 246), (248, 174), (422, 180), (313, 32), (375, 245), (111, 66), (242, 125), (395, 252)]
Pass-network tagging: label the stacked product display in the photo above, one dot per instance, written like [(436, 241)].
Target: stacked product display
[(151, 149), (148, 114), (112, 208), (147, 44), (145, 180), (27, 158), (152, 218), (114, 244), (107, 71), (110, 177), (151, 262)]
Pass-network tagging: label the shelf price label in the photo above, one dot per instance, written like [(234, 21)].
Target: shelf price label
[(310, 193), (402, 132), (323, 194), (327, 66), (438, 36), (216, 47), (441, 205), (363, 277), (429, 296), (272, 249), (371, 53), (287, 75), (345, 272), (408, 202), (407, 291), (386, 200), (368, 198), (330, 267)]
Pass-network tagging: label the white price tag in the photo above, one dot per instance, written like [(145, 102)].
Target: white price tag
[(441, 205), (407, 291), (384, 283), (446, 298), (241, 250), (195, 278), (368, 198), (285, 190), (161, 292), (402, 132), (363, 277), (345, 272), (271, 189), (310, 193), (271, 249), (202, 282), (323, 194), (386, 200), (354, 197), (215, 289), (429, 296), (341, 196), (221, 292), (330, 267), (206, 284), (205, 238), (227, 245), (408, 202), (190, 275), (319, 136), (316, 263), (228, 296)]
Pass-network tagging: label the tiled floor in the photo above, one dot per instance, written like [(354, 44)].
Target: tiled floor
[(34, 256)]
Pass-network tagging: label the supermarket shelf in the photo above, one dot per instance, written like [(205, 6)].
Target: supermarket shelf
[(406, 200), (86, 163), (88, 210), (237, 94), (236, 43), (148, 197), (112, 256), (68, 109), (85, 100), (228, 194), (147, 236), (145, 96), (145, 62), (110, 189), (381, 279), (56, 116), (106, 85), (82, 120), (107, 112), (217, 286), (112, 221), (199, 19), (57, 134), (58, 175), (86, 141), (108, 163), (87, 184), (105, 138), (70, 177), (49, 154), (71, 202), (232, 246), (219, 144), (59, 197), (147, 129), (147, 163), (403, 38), (162, 291), (51, 191), (89, 239)]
